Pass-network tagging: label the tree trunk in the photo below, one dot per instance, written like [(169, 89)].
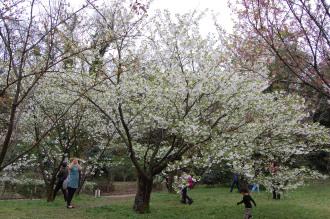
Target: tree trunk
[(142, 197), (50, 188), (169, 182), (11, 125), (110, 186), (50, 193), (81, 184)]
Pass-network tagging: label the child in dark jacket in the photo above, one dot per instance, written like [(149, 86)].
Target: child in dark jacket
[(247, 199)]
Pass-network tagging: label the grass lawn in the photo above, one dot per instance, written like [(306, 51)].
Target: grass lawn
[(309, 202)]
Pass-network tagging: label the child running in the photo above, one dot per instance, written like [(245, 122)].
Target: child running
[(247, 199)]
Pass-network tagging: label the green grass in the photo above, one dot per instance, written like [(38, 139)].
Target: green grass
[(309, 202)]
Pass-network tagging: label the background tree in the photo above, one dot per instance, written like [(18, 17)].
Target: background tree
[(174, 95), (297, 34), (29, 31), (81, 132)]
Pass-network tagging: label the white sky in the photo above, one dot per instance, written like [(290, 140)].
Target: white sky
[(218, 7)]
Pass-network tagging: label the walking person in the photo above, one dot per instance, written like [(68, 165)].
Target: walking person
[(188, 182), (274, 167), (235, 182), (255, 187), (73, 181), (247, 199), (61, 176)]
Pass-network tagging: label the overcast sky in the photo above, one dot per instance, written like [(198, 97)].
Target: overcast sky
[(182, 6)]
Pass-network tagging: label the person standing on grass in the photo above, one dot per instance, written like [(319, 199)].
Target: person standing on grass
[(61, 176), (255, 187), (247, 199), (235, 182), (273, 168), (187, 182), (73, 180)]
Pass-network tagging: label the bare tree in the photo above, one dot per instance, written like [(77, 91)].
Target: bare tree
[(29, 50), (297, 33)]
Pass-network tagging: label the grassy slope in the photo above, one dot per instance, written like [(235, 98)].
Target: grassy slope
[(310, 202)]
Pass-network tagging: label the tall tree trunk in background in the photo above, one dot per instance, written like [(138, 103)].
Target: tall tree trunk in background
[(50, 192), (169, 182), (50, 187), (110, 180), (81, 183), (142, 197)]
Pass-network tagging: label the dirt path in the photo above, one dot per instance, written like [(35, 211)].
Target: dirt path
[(123, 196), (119, 196)]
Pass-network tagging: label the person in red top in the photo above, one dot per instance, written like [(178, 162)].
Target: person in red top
[(273, 168), (188, 182)]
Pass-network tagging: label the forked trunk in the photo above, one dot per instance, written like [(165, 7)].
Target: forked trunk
[(142, 197)]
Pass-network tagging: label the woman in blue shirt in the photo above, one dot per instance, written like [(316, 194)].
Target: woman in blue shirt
[(73, 180)]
